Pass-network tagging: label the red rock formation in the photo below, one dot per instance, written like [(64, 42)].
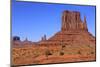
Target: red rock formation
[(85, 24), (71, 21), (73, 31)]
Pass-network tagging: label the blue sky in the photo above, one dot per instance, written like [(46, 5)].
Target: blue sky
[(33, 20)]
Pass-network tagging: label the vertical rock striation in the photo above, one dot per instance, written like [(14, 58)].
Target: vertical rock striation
[(71, 21)]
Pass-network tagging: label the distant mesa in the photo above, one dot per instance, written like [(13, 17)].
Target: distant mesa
[(16, 38)]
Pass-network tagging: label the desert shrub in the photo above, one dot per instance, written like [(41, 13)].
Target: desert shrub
[(36, 53), (79, 52), (48, 52), (92, 52), (63, 46), (61, 53), (16, 58)]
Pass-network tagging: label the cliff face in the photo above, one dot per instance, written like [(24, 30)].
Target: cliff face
[(71, 21)]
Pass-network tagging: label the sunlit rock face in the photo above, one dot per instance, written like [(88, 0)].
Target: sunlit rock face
[(71, 21)]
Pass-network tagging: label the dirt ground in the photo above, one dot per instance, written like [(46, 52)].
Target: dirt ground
[(54, 54)]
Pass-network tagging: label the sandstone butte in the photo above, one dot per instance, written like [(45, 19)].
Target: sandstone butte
[(73, 43)]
